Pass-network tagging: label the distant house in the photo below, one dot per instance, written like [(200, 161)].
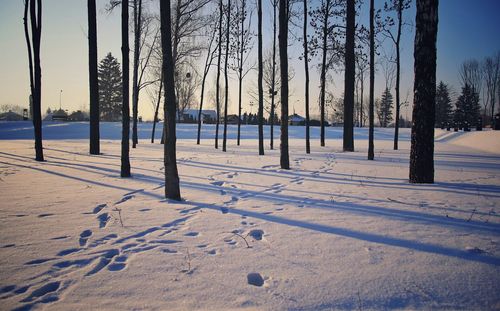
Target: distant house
[(208, 116), (56, 115), (295, 119), (231, 119), (10, 116)]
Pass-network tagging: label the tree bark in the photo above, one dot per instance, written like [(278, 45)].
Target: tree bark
[(125, 148), (259, 80), (323, 77), (135, 78), (273, 79), (306, 70), (283, 43), (217, 90), (398, 73), (224, 140), (424, 90), (36, 31), (155, 120), (350, 71), (93, 79), (371, 152), (172, 190)]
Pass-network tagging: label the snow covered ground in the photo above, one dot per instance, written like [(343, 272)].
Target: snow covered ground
[(334, 232)]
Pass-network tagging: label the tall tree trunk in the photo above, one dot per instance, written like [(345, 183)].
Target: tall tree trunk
[(306, 69), (240, 69), (259, 80), (424, 92), (217, 90), (135, 86), (362, 88), (201, 105), (172, 190), (224, 140), (398, 73), (155, 120), (323, 77), (350, 71), (125, 161), (36, 72), (273, 79), (371, 152), (283, 42), (93, 79)]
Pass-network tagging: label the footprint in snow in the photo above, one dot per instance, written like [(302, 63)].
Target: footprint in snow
[(103, 220), (255, 279), (192, 234), (256, 234), (84, 236)]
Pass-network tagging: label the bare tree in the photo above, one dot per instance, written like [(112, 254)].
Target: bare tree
[(306, 71), (259, 79), (137, 4), (93, 79), (241, 47), (328, 26), (172, 190), (211, 47), (491, 73), (125, 161), (371, 147), (398, 6), (228, 25), (217, 90), (283, 48), (350, 72), (35, 70), (422, 131)]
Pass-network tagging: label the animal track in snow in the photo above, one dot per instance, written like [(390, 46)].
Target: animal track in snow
[(45, 215), (126, 198), (103, 220), (192, 234), (256, 234), (84, 236)]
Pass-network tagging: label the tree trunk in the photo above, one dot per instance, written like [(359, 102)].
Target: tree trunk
[(398, 73), (224, 140), (259, 80), (217, 90), (371, 152), (36, 31), (155, 120), (424, 90), (323, 77), (135, 86), (273, 79), (306, 69), (283, 42), (240, 77), (172, 190), (93, 79), (201, 105), (350, 71), (125, 161)]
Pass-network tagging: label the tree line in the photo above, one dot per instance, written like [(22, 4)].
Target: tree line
[(172, 64)]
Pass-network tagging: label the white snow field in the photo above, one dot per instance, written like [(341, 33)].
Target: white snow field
[(334, 232)]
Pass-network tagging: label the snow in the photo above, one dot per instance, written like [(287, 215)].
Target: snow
[(334, 232)]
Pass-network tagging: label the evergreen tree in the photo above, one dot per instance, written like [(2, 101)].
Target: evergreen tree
[(385, 108), (110, 88), (467, 107), (443, 105)]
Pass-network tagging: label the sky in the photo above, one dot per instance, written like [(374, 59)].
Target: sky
[(467, 29)]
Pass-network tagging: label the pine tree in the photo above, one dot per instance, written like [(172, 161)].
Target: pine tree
[(467, 107), (110, 88), (385, 108), (443, 105)]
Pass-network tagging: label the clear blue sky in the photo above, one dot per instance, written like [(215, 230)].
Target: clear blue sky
[(467, 29)]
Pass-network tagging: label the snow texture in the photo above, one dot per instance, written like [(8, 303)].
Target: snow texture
[(334, 232)]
